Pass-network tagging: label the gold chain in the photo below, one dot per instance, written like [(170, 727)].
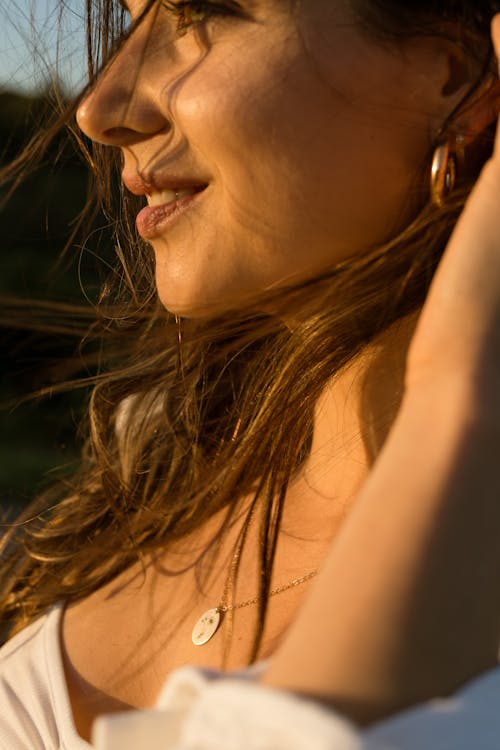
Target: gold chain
[(296, 582), (230, 607), (208, 623)]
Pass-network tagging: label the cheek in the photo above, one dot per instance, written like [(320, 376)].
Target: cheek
[(250, 122), (300, 157), (235, 97), (248, 127)]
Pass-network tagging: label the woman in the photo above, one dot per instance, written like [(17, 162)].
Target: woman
[(296, 414)]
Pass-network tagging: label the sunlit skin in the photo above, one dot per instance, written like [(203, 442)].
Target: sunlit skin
[(314, 141), (310, 136)]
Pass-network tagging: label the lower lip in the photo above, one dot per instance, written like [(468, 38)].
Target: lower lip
[(152, 221)]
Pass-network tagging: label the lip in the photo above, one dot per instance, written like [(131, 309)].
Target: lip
[(153, 221), (139, 183)]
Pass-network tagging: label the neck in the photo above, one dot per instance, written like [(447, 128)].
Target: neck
[(352, 420)]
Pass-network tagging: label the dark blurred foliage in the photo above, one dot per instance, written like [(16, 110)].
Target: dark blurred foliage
[(37, 436)]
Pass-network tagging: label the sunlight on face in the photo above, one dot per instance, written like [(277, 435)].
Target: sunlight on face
[(270, 142)]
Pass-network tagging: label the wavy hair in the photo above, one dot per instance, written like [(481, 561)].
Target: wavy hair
[(176, 434)]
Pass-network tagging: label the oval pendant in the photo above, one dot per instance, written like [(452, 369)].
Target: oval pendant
[(205, 627)]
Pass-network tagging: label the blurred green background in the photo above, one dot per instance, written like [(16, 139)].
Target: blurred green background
[(37, 436)]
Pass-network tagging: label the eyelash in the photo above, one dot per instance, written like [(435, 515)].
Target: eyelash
[(185, 9)]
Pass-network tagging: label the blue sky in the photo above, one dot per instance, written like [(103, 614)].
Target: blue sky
[(28, 43)]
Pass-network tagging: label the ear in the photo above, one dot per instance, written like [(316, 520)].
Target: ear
[(480, 111), (477, 107)]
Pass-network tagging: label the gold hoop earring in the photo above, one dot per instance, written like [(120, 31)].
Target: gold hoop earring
[(443, 174)]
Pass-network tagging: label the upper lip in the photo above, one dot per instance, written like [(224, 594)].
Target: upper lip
[(139, 184)]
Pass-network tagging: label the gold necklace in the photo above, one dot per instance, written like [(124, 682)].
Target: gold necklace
[(210, 620), (207, 625)]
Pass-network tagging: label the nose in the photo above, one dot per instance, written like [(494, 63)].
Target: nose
[(123, 108)]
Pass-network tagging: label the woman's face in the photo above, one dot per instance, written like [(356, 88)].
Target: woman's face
[(307, 136)]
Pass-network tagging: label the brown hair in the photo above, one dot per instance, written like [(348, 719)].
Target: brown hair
[(175, 436)]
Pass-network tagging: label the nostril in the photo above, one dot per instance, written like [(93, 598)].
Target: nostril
[(119, 134), (112, 119)]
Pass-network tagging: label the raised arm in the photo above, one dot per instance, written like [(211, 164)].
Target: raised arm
[(407, 605)]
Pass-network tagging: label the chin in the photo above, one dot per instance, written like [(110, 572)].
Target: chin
[(183, 296), (196, 306), (207, 298), (200, 292)]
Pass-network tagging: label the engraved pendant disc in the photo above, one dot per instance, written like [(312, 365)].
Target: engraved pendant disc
[(205, 627)]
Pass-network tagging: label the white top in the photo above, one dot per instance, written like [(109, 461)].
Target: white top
[(201, 709)]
